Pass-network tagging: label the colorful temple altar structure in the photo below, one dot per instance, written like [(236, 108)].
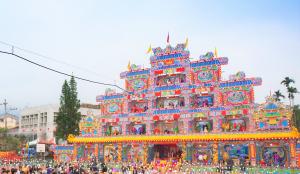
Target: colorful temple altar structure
[(183, 110)]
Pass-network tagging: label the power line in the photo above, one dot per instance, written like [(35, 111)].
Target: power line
[(47, 57), (59, 72)]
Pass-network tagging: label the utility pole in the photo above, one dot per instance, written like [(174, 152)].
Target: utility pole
[(5, 110), (5, 106)]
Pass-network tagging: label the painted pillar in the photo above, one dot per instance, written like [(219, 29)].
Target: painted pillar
[(184, 154), (75, 151), (148, 127), (96, 151), (189, 151), (145, 147), (215, 123), (215, 153), (251, 123), (124, 131), (298, 153), (293, 153), (252, 151), (186, 125), (119, 152)]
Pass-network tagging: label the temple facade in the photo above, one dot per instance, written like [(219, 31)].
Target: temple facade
[(179, 109)]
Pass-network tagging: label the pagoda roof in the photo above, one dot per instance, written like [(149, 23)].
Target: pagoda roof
[(293, 134)]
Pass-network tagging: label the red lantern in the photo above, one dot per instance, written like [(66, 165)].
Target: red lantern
[(158, 72), (245, 111), (223, 113), (177, 92), (176, 116), (156, 118), (180, 69)]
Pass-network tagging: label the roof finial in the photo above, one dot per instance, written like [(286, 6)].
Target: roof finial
[(216, 53), (168, 39), (149, 49), (186, 42)]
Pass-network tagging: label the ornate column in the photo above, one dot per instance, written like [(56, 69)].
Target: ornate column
[(252, 151), (215, 153), (215, 123), (119, 152), (75, 151), (145, 148), (124, 126), (184, 154), (96, 151), (298, 152), (293, 153), (148, 127), (189, 156), (185, 125)]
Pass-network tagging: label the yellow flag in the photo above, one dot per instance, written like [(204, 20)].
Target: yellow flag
[(216, 52), (149, 49), (128, 66), (186, 42)]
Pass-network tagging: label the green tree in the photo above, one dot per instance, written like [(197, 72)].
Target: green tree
[(291, 94), (287, 81), (277, 94), (8, 142), (297, 116), (75, 104), (68, 116)]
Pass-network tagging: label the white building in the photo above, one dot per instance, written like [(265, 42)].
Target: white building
[(9, 121), (38, 123)]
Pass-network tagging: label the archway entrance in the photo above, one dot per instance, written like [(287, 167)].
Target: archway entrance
[(167, 151)]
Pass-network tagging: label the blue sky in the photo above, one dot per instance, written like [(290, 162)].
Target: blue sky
[(259, 37)]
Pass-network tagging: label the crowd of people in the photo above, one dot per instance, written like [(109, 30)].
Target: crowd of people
[(96, 167)]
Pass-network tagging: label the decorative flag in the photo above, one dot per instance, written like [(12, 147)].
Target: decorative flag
[(128, 66), (216, 52), (168, 38), (186, 42), (149, 49)]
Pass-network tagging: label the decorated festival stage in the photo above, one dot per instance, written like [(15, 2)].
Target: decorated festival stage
[(183, 110)]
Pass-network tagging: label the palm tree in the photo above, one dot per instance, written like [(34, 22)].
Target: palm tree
[(277, 94), (287, 81), (291, 94)]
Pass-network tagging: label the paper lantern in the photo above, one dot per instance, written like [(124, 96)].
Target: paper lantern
[(178, 92), (156, 118), (158, 94), (176, 116)]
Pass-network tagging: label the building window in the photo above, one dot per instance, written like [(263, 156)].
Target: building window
[(55, 116), (204, 100)]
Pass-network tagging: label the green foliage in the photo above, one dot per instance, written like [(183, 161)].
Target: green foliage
[(287, 81), (68, 117), (8, 142), (3, 132), (297, 116), (291, 91), (277, 94)]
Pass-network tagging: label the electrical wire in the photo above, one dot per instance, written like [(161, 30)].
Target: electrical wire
[(59, 72), (49, 58)]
